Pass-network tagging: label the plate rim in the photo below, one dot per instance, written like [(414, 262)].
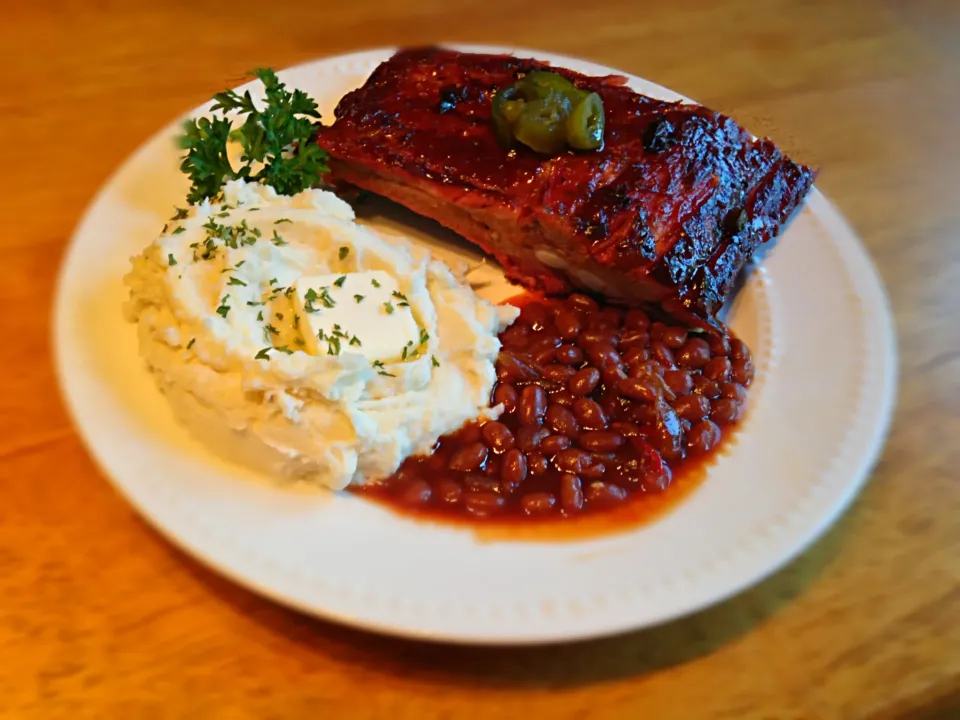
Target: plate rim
[(835, 225)]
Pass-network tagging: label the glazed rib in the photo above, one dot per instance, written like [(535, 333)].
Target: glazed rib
[(667, 212)]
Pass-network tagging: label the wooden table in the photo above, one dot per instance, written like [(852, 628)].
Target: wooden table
[(99, 617)]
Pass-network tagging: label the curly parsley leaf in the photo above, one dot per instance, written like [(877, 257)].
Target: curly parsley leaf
[(277, 138)]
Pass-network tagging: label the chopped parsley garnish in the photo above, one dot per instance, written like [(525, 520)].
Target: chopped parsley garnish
[(271, 329), (433, 359), (310, 297), (424, 336), (282, 220), (223, 214), (406, 350), (326, 299), (277, 240), (240, 263), (180, 213), (278, 316), (190, 344), (373, 281), (340, 280), (358, 298), (285, 349), (263, 354), (296, 321), (223, 310), (355, 341), (178, 229), (236, 281), (260, 316), (275, 138), (171, 260), (378, 366), (298, 341), (333, 345), (344, 251), (273, 281), (399, 295), (388, 306), (254, 303)]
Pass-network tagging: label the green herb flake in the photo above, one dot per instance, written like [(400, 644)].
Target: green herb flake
[(263, 354), (277, 240), (271, 329), (285, 349), (374, 282), (344, 251), (282, 220), (180, 213), (236, 281), (171, 260), (340, 280), (296, 321), (190, 344), (178, 229), (424, 336), (358, 298), (355, 341), (378, 366), (223, 310), (433, 359), (388, 306), (326, 299), (298, 341), (273, 281), (260, 316), (240, 264)]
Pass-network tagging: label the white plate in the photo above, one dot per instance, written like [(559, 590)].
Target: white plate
[(815, 315)]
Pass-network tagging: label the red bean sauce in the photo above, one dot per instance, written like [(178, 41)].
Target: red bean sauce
[(601, 406)]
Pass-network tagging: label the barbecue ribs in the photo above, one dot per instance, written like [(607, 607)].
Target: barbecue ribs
[(667, 212)]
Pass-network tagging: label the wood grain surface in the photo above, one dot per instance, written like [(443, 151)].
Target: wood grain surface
[(99, 617)]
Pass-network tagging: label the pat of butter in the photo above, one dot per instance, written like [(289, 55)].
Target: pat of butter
[(355, 313)]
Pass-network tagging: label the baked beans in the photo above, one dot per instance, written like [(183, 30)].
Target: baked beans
[(598, 404)]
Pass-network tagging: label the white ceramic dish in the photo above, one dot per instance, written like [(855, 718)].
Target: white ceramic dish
[(815, 315)]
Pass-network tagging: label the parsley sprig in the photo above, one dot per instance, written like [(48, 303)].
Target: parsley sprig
[(278, 136)]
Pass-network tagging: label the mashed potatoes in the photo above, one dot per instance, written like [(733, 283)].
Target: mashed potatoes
[(290, 338)]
